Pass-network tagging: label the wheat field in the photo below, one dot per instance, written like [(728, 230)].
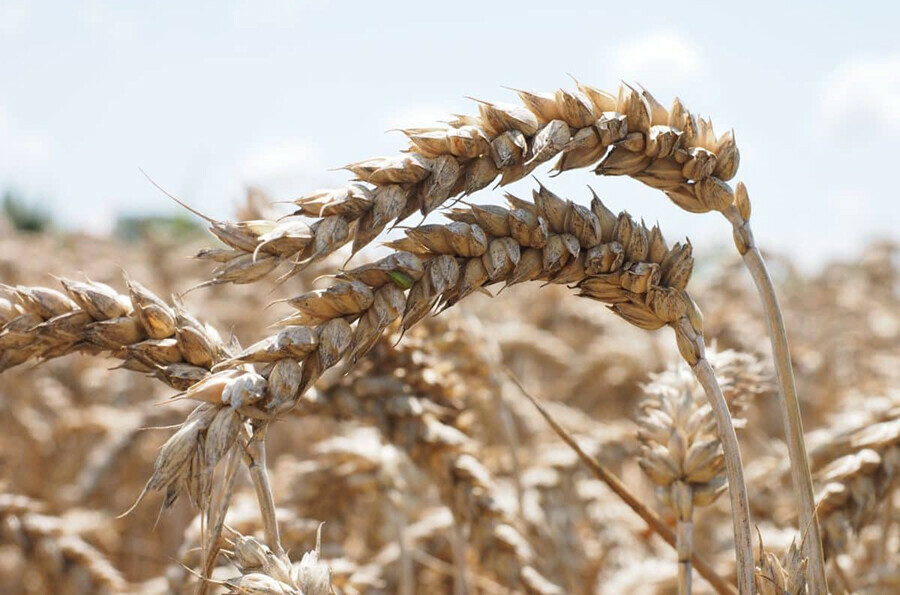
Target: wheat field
[(309, 407)]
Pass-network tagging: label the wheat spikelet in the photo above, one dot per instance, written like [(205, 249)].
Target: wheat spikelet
[(66, 562), (781, 577)]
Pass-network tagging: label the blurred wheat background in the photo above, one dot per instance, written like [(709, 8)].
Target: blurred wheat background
[(425, 457)]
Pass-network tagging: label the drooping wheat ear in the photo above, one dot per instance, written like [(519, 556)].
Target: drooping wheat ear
[(682, 455), (140, 329), (668, 149), (148, 336), (781, 577), (858, 484), (392, 392), (63, 557)]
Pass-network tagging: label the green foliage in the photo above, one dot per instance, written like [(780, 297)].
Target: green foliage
[(25, 216), (134, 227)]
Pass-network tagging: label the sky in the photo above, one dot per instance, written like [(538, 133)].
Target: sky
[(210, 97)]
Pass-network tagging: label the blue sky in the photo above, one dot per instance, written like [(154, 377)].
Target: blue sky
[(211, 96)]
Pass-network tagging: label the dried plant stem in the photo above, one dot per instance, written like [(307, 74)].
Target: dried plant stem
[(621, 490), (737, 489), (739, 216), (255, 455), (460, 584), (684, 545)]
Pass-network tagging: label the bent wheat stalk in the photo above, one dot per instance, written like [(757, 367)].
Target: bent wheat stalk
[(738, 214)]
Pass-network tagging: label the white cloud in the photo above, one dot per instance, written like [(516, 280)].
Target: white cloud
[(862, 94), (661, 58)]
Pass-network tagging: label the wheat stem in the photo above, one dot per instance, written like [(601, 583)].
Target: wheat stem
[(255, 455), (460, 584), (788, 399), (621, 490), (684, 544), (737, 489)]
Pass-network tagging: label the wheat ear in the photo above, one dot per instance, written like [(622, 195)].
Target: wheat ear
[(150, 336), (669, 149), (682, 455)]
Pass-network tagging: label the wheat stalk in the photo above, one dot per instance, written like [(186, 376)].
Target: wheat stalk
[(738, 214)]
